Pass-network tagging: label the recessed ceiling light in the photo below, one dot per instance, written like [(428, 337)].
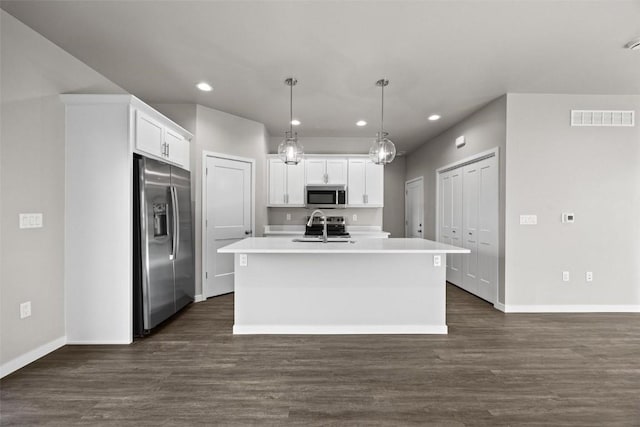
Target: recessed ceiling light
[(361, 123), (633, 44), (205, 87), (295, 122), (434, 117)]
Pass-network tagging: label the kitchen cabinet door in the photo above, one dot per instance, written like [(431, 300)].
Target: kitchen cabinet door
[(277, 182), (356, 185), (374, 180), (295, 184), (315, 171), (149, 135), (177, 149), (337, 171)]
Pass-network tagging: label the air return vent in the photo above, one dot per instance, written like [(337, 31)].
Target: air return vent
[(602, 118)]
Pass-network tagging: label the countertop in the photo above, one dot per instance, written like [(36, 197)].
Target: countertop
[(285, 245)]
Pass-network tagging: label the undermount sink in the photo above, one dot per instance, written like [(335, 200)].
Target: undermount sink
[(319, 240)]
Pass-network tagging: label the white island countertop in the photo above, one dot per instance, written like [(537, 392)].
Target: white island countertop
[(286, 245)]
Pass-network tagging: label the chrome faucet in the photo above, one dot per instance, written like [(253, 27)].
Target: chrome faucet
[(324, 223)]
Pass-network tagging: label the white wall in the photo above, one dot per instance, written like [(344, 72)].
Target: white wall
[(32, 173), (483, 130), (592, 172)]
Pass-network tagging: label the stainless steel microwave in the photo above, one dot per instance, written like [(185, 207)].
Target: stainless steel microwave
[(326, 196)]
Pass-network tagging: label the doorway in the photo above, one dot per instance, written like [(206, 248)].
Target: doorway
[(414, 208), (228, 216)]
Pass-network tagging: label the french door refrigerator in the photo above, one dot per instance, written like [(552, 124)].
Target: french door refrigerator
[(164, 269)]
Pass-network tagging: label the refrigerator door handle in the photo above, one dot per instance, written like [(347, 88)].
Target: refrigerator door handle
[(175, 235)]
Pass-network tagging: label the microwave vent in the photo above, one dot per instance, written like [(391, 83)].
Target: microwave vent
[(602, 118)]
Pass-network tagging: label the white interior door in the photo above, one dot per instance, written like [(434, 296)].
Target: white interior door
[(414, 208), (228, 218), (455, 260)]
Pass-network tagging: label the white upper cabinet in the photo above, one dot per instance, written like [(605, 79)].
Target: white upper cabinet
[(321, 170), (159, 140), (286, 183), (149, 135), (366, 183)]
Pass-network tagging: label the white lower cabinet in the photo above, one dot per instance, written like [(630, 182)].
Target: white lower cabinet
[(286, 183), (365, 184)]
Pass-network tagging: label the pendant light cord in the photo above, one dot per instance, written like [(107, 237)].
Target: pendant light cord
[(382, 112), (291, 109)]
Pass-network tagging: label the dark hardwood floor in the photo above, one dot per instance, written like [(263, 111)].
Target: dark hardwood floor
[(492, 369)]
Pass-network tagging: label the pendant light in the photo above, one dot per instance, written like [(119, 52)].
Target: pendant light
[(290, 150), (382, 150)]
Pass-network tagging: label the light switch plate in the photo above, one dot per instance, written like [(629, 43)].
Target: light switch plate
[(589, 276), (565, 276), (288, 217), (437, 260), (568, 217), (30, 220), (528, 219), (354, 217)]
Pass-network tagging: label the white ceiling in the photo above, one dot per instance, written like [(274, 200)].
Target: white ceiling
[(447, 57)]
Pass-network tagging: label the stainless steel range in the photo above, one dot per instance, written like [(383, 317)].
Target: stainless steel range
[(336, 227)]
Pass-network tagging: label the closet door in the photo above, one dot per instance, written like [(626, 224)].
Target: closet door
[(470, 187), (455, 260), (487, 233)]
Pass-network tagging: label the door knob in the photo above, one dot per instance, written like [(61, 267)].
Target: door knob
[(247, 232), (419, 231)]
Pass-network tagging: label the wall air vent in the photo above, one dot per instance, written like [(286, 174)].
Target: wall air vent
[(602, 118)]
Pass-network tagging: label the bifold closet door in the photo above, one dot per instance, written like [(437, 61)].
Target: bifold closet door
[(470, 227), (480, 228), (451, 220), (487, 233)]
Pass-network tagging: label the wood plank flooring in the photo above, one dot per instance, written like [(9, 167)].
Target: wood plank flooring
[(492, 369)]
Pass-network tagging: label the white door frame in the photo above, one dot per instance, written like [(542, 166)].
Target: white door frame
[(203, 213), (494, 152), (421, 179)]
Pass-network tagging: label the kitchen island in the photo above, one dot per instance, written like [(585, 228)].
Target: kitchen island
[(368, 286)]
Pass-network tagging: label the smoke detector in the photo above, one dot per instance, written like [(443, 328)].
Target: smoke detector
[(633, 44)]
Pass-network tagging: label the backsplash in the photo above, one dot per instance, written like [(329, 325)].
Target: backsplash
[(366, 216)]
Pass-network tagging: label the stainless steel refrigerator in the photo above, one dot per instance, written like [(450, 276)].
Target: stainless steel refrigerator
[(164, 269)]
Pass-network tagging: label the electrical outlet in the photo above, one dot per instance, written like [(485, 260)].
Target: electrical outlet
[(565, 276), (288, 217), (589, 276), (243, 260), (25, 309), (355, 217), (437, 260)]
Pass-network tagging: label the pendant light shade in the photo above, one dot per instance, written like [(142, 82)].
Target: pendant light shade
[(383, 150), (290, 150)]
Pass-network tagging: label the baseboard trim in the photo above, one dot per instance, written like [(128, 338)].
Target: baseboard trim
[(199, 298), (100, 342), (515, 308), (337, 329), (31, 356), (499, 306)]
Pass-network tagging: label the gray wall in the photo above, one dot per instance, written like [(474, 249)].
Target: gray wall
[(592, 172), (391, 217), (224, 133), (483, 130), (34, 72)]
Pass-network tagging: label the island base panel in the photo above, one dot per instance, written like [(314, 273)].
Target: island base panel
[(339, 294)]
